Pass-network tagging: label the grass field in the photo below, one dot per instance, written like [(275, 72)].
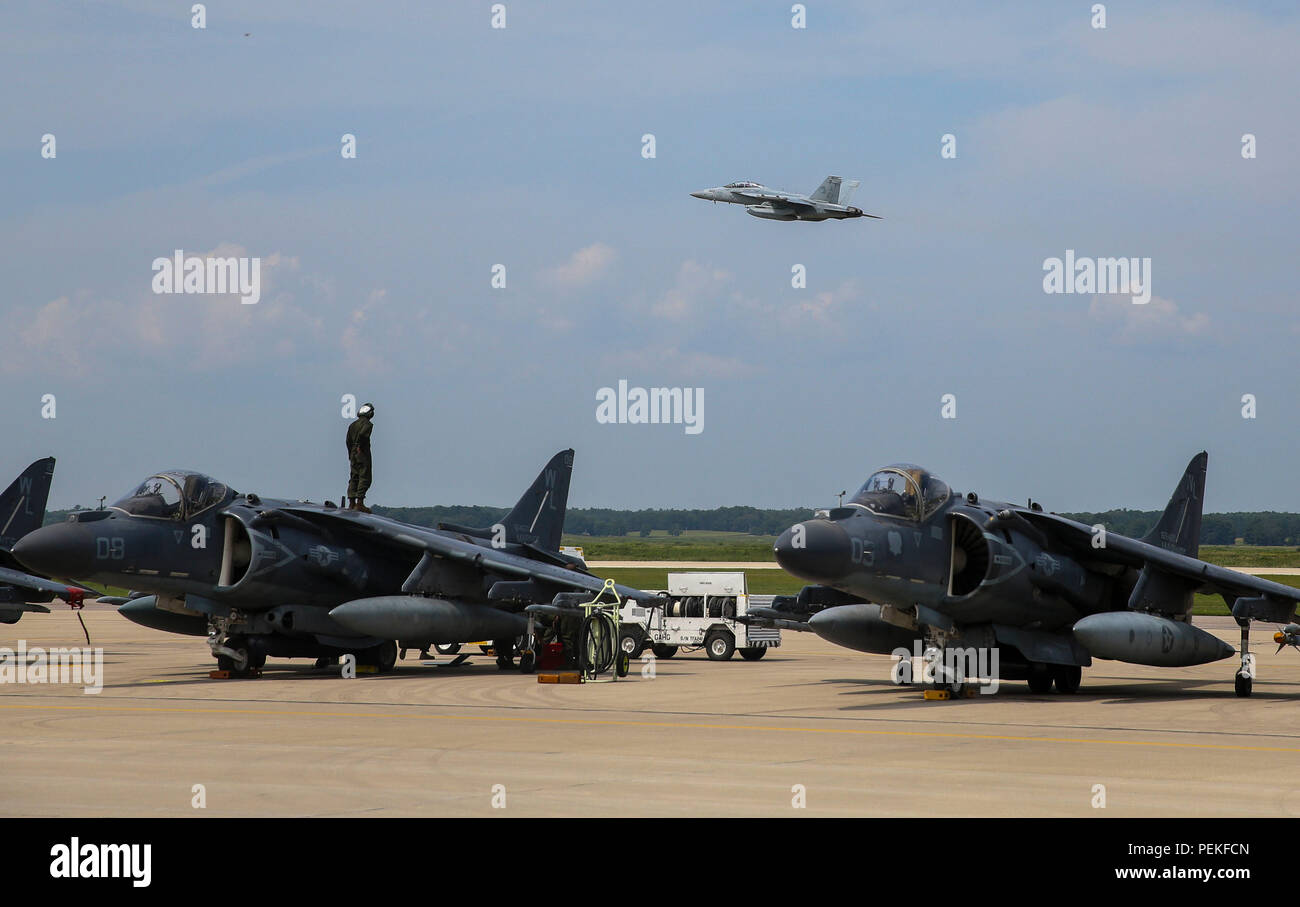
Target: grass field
[(739, 546), (775, 582)]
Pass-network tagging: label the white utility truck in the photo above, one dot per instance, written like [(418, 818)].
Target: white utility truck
[(700, 611)]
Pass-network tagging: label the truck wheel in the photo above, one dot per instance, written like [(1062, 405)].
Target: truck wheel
[(753, 653), (450, 648), (630, 644), (720, 644), (663, 651)]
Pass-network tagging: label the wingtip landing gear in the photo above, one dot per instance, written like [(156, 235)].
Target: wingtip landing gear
[(1245, 676)]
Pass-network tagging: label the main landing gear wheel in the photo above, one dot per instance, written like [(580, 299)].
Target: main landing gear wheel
[(1242, 684), (527, 661), (753, 653), (720, 645), (384, 656), (1040, 679), (663, 651), (1067, 678), (505, 650)]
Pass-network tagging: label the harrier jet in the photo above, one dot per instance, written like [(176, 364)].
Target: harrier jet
[(22, 509), (263, 577), (829, 202), (907, 559)]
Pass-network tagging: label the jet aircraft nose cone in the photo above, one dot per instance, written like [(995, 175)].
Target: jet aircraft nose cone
[(816, 550), (703, 195), (59, 550)]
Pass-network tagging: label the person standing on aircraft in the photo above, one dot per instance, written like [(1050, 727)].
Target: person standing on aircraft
[(359, 458)]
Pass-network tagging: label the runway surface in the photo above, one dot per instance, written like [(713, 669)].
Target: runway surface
[(697, 738)]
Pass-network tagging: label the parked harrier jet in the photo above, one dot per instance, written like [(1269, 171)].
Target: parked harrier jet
[(908, 559), (829, 202), (22, 509), (261, 577)]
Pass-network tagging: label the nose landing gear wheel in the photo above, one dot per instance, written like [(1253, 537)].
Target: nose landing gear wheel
[(1242, 685)]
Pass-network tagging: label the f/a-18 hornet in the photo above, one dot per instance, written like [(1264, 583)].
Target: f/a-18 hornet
[(295, 579), (907, 559), (829, 202)]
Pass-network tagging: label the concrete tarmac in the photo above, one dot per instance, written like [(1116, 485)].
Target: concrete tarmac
[(811, 722)]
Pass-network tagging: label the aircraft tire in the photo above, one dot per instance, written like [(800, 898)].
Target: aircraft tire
[(1040, 679), (385, 655), (753, 653), (527, 662), (1067, 678), (663, 651), (1242, 684)]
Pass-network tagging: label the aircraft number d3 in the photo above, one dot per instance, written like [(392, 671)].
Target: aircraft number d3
[(111, 548)]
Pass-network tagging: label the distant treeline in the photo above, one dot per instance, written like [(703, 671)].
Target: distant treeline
[(601, 521), (1263, 528)]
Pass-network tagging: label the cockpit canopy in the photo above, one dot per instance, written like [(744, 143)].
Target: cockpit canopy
[(743, 185), (174, 495), (902, 490)]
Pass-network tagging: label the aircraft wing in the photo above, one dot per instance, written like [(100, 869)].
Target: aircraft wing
[(27, 581), (449, 547), (1258, 599), (776, 199)]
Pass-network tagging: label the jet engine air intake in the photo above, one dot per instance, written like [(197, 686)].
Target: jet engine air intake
[(236, 552), (969, 564)]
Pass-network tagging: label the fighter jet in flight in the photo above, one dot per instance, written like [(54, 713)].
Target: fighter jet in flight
[(829, 202), (289, 579), (907, 559), (22, 509)]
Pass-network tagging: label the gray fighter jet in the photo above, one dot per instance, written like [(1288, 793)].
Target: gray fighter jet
[(294, 579), (907, 559), (22, 510), (829, 202)]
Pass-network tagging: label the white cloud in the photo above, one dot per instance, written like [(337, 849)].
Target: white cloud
[(584, 267), (1158, 320)]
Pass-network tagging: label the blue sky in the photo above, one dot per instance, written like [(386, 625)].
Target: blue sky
[(522, 147)]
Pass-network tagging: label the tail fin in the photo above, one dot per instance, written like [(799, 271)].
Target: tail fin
[(22, 505), (848, 189), (538, 518), (1179, 529), (828, 191)]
